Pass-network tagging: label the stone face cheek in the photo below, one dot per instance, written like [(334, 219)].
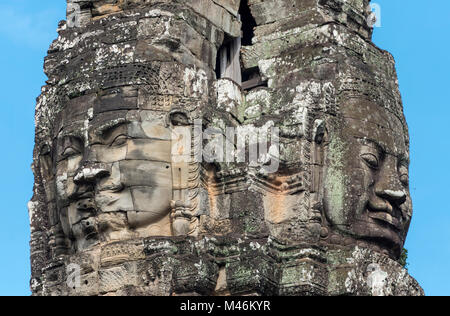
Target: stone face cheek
[(219, 147)]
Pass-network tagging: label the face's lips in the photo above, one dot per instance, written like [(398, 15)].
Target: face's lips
[(82, 192), (387, 218), (84, 200), (77, 196), (384, 211), (113, 188), (86, 204)]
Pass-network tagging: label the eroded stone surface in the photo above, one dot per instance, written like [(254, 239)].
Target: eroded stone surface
[(120, 198)]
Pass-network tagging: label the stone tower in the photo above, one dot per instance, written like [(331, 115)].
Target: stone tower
[(219, 147)]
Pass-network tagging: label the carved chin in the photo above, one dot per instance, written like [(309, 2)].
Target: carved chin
[(380, 228), (142, 219)]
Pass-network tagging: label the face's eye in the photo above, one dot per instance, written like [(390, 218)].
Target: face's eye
[(119, 140), (371, 160), (70, 151), (70, 146)]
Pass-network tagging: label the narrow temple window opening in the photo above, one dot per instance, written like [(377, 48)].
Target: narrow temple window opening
[(248, 23), (229, 64), (228, 60), (251, 78)]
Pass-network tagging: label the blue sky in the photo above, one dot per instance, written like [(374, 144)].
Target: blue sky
[(415, 32), (27, 27)]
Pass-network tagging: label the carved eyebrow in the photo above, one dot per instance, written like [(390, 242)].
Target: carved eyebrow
[(402, 157), (69, 133), (371, 142), (107, 127)]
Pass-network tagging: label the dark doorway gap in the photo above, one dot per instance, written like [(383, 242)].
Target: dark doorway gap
[(248, 23), (251, 78), (228, 62), (228, 59), (226, 46)]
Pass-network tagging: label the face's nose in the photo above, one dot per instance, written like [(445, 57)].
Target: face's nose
[(389, 186), (394, 197), (91, 173)]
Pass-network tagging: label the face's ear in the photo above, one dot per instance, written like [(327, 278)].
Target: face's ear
[(46, 162), (319, 132), (319, 136)]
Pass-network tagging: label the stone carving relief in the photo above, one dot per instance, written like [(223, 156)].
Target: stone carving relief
[(143, 177), (113, 172), (366, 184)]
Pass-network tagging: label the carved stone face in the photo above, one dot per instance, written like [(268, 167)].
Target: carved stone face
[(366, 192), (113, 173)]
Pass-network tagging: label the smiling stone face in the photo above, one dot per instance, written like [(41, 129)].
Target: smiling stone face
[(366, 194), (113, 173)]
